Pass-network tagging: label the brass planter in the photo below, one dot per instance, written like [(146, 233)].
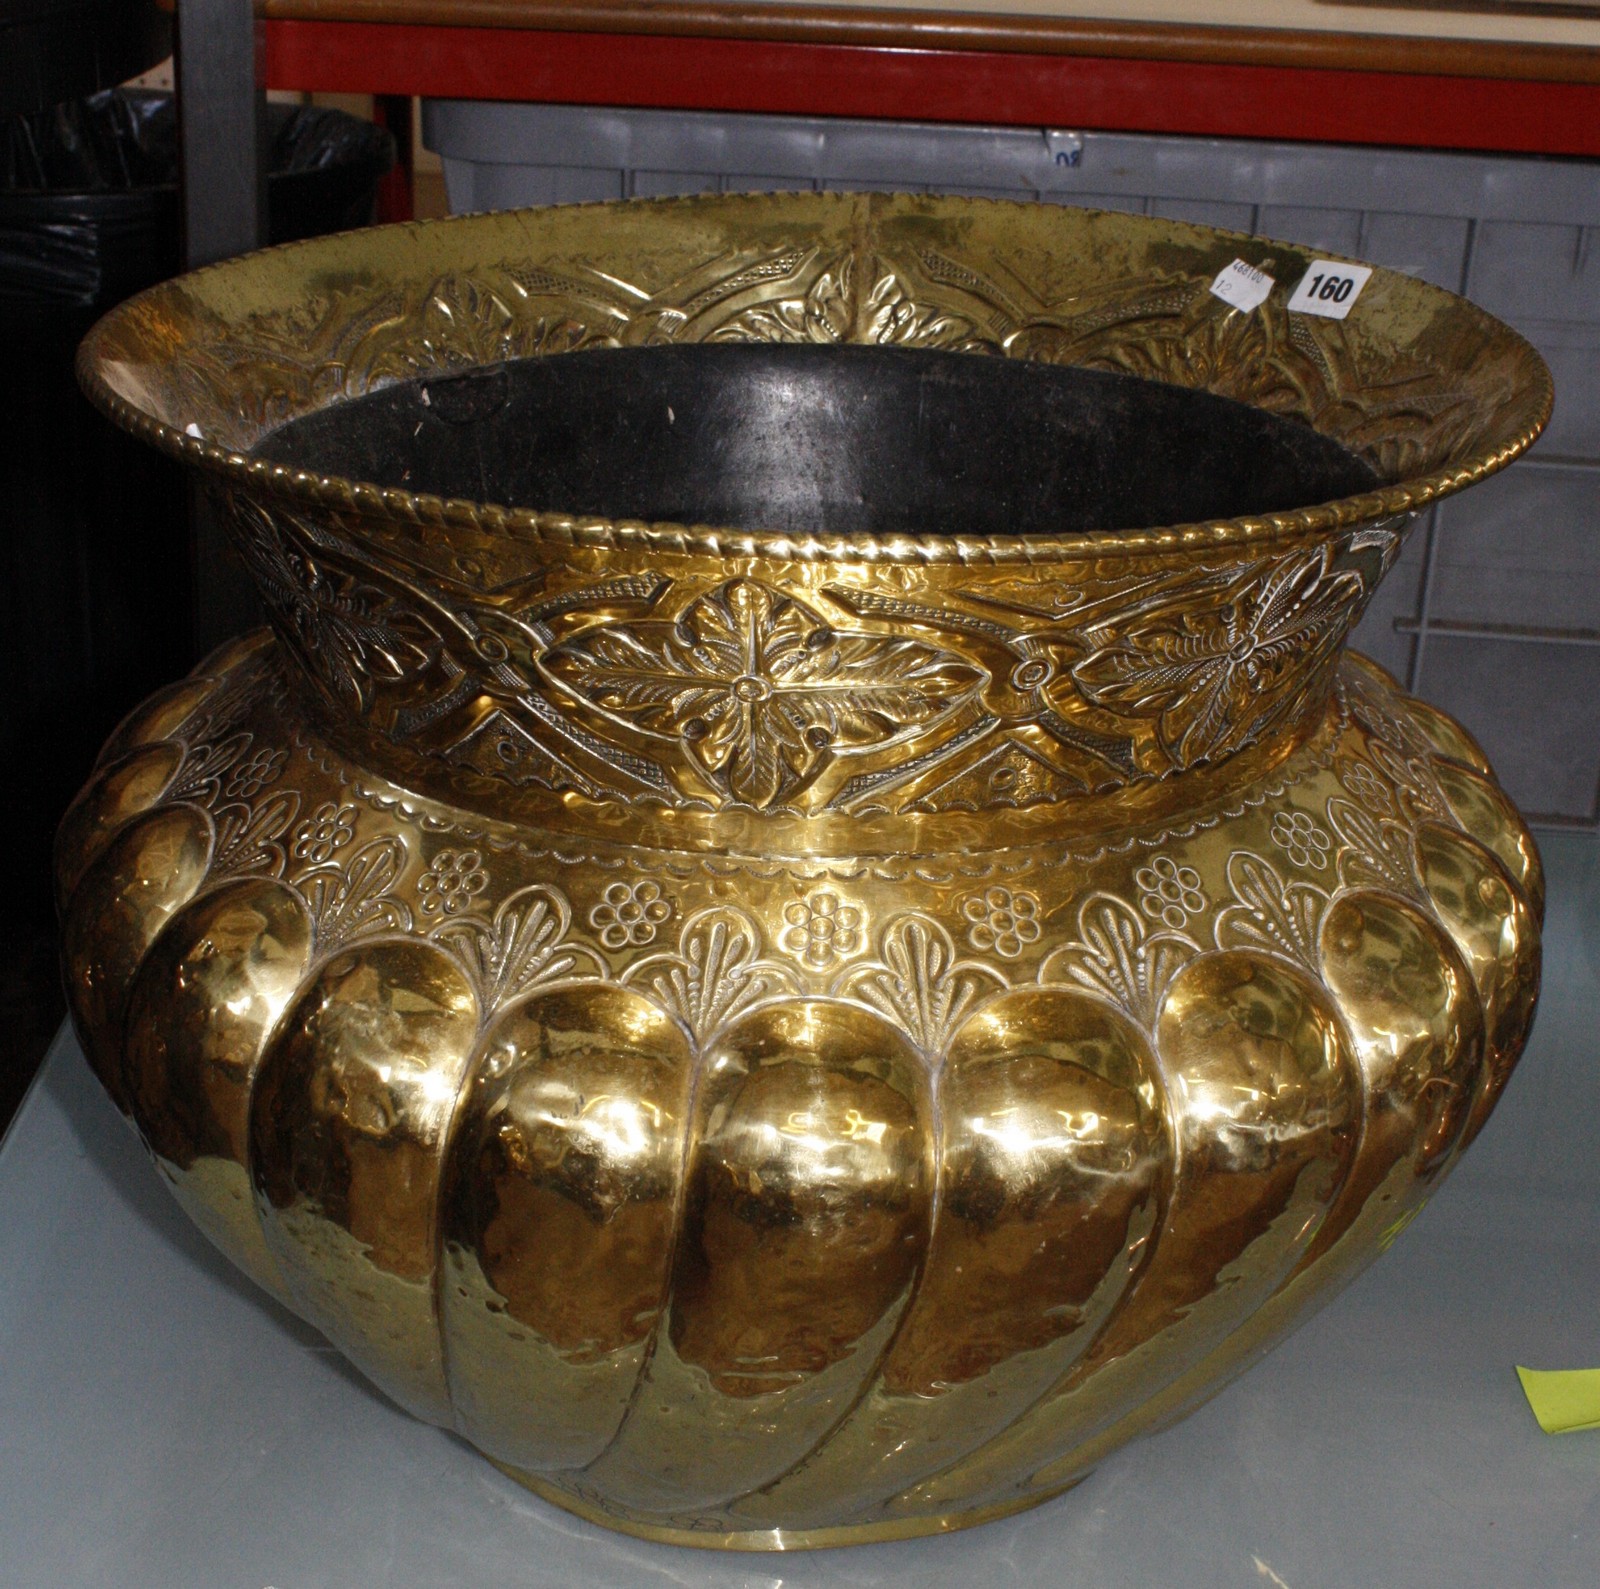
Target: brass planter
[(976, 996)]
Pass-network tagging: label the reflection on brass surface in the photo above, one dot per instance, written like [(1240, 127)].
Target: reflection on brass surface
[(348, 1127), (206, 999), (122, 901), (567, 1162), (1495, 928), (123, 790), (1483, 811), (788, 1039)]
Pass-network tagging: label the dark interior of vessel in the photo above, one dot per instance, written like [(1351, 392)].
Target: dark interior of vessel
[(826, 440)]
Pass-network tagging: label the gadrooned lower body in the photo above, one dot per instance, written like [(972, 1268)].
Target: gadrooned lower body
[(771, 1202)]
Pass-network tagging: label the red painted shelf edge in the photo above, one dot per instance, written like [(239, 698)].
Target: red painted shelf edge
[(936, 85)]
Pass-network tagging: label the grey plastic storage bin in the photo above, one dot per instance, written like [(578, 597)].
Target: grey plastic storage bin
[(1494, 611)]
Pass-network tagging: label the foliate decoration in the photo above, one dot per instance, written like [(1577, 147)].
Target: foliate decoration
[(1008, 775), (522, 310), (1384, 539), (1377, 709), (324, 833), (1253, 358), (278, 365), (920, 982), (447, 675), (468, 321), (1298, 836), (756, 689), (1117, 958), (344, 339), (343, 336), (630, 913), (251, 775), (1169, 893), (892, 316), (1218, 666), (1022, 750), (523, 947), (1373, 850), (1268, 914), (717, 971), (200, 776), (451, 883), (249, 839), (1064, 324), (355, 895), (821, 929), (348, 634), (1031, 597), (1166, 326), (1418, 790), (822, 313), (743, 694), (222, 713), (1002, 920)]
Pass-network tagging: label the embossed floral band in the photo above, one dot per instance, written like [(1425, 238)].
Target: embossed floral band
[(782, 1033), (1138, 657)]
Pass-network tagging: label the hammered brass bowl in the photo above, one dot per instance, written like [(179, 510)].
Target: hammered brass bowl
[(785, 1033)]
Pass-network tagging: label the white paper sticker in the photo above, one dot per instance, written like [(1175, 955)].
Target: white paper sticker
[(1242, 286), (1329, 288)]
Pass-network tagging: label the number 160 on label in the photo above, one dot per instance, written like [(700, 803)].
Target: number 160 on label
[(1329, 288)]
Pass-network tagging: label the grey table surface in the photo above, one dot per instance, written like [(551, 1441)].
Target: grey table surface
[(162, 1424)]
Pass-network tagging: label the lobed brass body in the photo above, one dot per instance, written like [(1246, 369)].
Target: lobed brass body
[(788, 1040)]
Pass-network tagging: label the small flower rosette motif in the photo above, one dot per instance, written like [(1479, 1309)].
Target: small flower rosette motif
[(450, 885), (629, 914), (252, 775), (1364, 782), (1169, 893), (1299, 837), (821, 929), (1002, 921), (324, 833)]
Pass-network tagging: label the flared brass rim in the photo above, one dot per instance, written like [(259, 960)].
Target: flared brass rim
[(262, 477)]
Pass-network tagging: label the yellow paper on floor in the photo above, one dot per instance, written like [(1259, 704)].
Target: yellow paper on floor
[(1563, 1401)]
